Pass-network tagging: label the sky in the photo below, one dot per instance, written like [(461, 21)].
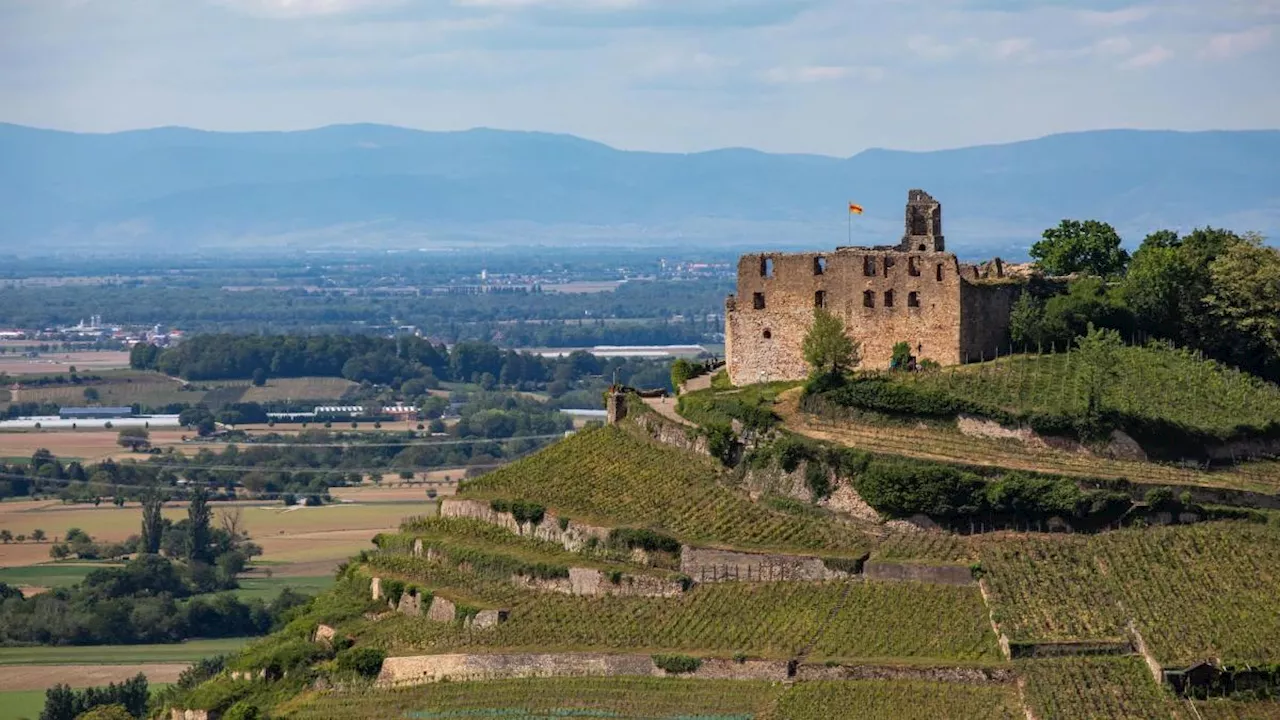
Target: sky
[(806, 76)]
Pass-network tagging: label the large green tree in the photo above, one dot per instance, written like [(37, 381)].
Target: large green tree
[(200, 530), (1088, 247), (827, 349), (152, 521), (1244, 299)]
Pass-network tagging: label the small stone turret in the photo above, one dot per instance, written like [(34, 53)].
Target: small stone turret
[(616, 405)]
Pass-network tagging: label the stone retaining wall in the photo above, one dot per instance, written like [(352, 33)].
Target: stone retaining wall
[(917, 572), (709, 565), (671, 433), (593, 583), (425, 669), (572, 538)]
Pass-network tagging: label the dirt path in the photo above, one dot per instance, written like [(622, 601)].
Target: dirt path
[(43, 677), (666, 407), (939, 445)]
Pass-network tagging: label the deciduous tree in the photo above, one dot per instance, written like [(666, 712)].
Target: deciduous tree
[(827, 349), (1089, 247)]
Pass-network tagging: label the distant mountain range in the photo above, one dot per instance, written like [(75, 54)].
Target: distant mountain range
[(371, 186)]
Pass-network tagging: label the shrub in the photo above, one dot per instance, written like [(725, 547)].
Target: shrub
[(632, 538), (721, 442), (563, 522), (677, 664), (363, 661), (818, 480), (393, 589), (526, 512), (901, 489), (243, 710)]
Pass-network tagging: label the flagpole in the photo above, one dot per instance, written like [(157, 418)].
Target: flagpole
[(849, 220)]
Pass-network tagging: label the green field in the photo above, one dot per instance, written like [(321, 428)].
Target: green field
[(874, 621), (119, 654), (1153, 382), (1206, 590), (21, 704), (1095, 689), (269, 588), (49, 575), (610, 476)]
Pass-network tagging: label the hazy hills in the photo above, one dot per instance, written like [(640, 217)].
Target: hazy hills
[(370, 186)]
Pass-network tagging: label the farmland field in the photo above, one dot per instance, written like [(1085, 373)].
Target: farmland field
[(323, 536), (588, 698), (1207, 590), (1095, 689), (897, 699), (611, 476), (176, 653), (86, 445), (88, 362), (776, 620), (21, 704), (118, 387), (304, 388)]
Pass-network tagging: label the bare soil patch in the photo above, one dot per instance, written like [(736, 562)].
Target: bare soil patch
[(43, 677)]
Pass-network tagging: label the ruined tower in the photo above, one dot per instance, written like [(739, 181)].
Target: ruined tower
[(923, 227)]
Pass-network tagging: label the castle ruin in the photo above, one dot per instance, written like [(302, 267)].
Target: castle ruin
[(914, 292)]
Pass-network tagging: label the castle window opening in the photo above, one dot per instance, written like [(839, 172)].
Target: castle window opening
[(766, 267), (913, 299), (922, 247), (869, 266), (868, 299), (888, 298), (757, 301), (888, 263), (819, 265), (820, 299), (768, 334), (939, 272), (913, 266)]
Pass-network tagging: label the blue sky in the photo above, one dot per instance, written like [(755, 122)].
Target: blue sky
[(823, 76)]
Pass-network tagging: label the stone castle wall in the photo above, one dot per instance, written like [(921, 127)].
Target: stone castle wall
[(985, 309), (883, 297)]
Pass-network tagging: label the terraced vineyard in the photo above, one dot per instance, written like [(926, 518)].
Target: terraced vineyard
[(898, 699), (1238, 710), (1207, 590), (611, 477), (1153, 381), (531, 699), (773, 620), (949, 445), (1096, 689)]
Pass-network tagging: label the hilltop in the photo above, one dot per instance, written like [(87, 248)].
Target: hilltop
[(363, 185)]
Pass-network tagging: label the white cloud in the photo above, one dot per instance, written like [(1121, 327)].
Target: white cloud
[(822, 73), (1156, 55), (1012, 47), (305, 8), (1229, 45), (1115, 18), (1119, 45)]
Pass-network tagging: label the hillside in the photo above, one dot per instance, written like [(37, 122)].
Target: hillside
[(387, 186), (583, 580)]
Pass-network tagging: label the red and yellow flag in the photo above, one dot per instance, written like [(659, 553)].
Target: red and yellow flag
[(855, 208)]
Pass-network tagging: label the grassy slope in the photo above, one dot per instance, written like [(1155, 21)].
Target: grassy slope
[(609, 476), (1208, 590)]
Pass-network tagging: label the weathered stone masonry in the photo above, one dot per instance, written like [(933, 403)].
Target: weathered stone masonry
[(914, 292)]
